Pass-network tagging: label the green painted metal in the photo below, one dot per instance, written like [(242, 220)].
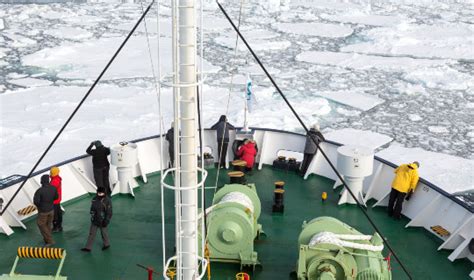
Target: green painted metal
[(135, 233), (232, 227), (330, 261)]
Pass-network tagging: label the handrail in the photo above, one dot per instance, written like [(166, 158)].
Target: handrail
[(384, 161)]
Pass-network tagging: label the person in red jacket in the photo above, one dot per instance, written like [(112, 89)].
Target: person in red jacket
[(58, 214), (247, 152)]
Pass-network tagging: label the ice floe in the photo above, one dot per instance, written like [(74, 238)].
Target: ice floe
[(364, 18), (69, 33), (357, 137), (86, 60), (315, 29), (450, 40), (30, 82), (450, 173), (362, 61), (353, 98)]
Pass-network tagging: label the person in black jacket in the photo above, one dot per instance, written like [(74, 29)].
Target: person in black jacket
[(310, 148), (170, 138), (222, 128), (101, 214), (100, 165), (44, 201)]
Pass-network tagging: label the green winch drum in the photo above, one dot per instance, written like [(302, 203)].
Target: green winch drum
[(232, 224), (357, 256)]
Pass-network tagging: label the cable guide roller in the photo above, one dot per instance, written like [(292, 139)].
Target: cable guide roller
[(37, 253)]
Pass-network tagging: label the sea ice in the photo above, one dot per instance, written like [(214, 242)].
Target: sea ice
[(364, 18), (315, 29), (30, 82), (451, 173), (357, 137), (450, 40), (362, 61), (86, 60), (69, 33), (353, 98)]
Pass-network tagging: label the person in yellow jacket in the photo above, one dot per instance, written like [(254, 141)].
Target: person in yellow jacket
[(403, 186)]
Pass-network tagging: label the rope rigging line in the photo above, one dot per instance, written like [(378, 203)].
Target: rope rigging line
[(228, 99), (78, 107), (313, 138)]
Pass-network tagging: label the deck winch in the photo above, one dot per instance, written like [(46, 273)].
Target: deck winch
[(331, 249), (232, 224)]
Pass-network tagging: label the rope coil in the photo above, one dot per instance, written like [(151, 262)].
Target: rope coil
[(342, 240), (239, 198)]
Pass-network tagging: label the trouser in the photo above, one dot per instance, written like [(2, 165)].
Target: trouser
[(45, 221), (171, 153), (58, 217), (101, 177), (396, 199), (92, 233), (306, 162), (222, 151)]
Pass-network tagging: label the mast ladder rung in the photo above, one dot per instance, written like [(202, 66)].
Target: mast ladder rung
[(186, 26), (186, 136), (187, 64), (187, 154), (187, 119), (187, 171), (187, 7), (186, 204), (186, 100), (187, 45)]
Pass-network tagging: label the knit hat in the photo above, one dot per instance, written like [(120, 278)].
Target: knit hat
[(54, 171), (44, 179), (417, 163), (315, 126)]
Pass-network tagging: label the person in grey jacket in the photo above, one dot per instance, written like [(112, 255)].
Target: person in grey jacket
[(44, 201), (222, 128), (310, 148)]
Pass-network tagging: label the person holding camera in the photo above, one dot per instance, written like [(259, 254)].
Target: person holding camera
[(100, 165)]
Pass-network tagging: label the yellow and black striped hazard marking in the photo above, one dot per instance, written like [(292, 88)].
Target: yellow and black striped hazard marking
[(40, 253), (27, 210), (440, 231)]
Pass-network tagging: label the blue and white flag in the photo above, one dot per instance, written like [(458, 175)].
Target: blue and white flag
[(248, 93)]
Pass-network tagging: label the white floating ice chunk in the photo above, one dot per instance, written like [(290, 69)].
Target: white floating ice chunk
[(350, 136), (353, 98), (2, 24), (450, 173), (86, 60), (30, 82), (259, 39), (414, 117), (362, 18), (450, 40), (441, 77), (315, 29), (362, 61), (69, 33), (438, 129)]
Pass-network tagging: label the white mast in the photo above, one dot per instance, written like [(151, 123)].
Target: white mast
[(185, 82)]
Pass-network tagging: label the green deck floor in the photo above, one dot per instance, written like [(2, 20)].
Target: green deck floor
[(136, 235)]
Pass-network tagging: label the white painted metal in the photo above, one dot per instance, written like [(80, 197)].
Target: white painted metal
[(354, 163), (274, 141), (125, 157)]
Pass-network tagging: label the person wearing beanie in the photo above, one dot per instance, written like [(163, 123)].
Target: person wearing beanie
[(403, 186), (101, 214), (310, 148), (44, 201), (58, 213), (100, 165)]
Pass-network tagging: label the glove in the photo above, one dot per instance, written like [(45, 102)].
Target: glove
[(409, 195)]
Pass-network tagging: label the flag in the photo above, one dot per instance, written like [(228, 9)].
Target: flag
[(248, 93)]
